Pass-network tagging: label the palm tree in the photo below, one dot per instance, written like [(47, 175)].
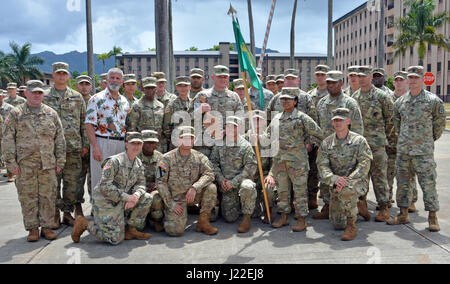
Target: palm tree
[(114, 52), (103, 57), (420, 27), (23, 65), (292, 57), (5, 70), (252, 29)]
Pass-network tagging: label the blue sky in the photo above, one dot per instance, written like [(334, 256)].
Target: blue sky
[(51, 25)]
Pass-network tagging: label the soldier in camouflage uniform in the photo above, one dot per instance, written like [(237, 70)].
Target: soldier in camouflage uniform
[(84, 86), (325, 108), (239, 88), (290, 162), (148, 112), (71, 108), (21, 91), (151, 158), (34, 149), (415, 147), (197, 77), (212, 106), (280, 82), (161, 93), (271, 84), (5, 109), (344, 162), (235, 167), (185, 177), (254, 93), (121, 203), (129, 87), (177, 109), (103, 82), (353, 80), (376, 109), (13, 99), (321, 90)]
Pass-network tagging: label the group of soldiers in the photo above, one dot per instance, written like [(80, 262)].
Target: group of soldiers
[(195, 151)]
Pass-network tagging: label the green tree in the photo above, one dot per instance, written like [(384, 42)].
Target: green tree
[(23, 65), (114, 52), (103, 57), (5, 70), (420, 27), (192, 48)]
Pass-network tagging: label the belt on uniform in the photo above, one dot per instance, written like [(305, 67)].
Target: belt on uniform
[(111, 138)]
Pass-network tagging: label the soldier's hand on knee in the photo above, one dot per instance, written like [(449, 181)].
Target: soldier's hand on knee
[(179, 209), (190, 196), (16, 172), (270, 181), (341, 182)]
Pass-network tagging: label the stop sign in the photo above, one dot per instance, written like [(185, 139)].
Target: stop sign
[(429, 78)]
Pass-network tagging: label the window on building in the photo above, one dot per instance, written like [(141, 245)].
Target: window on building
[(448, 89), (375, 59), (411, 50), (429, 47), (370, 60), (429, 67), (186, 68), (149, 69), (178, 68), (148, 59), (439, 67), (438, 90)]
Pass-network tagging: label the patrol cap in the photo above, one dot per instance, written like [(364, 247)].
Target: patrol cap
[(160, 76), (238, 83), (186, 131), (258, 71), (341, 113), (22, 88), (84, 78), (335, 76), (353, 70), (150, 136), (2, 93), (280, 78), (380, 71), (103, 77), (134, 137), (416, 71), (35, 86), (129, 78), (322, 69), (183, 80), (60, 67), (221, 70), (12, 86), (149, 82), (364, 70), (291, 73), (289, 93), (197, 72), (236, 121), (401, 74), (271, 79)]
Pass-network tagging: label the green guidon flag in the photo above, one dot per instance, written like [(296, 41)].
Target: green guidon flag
[(247, 61)]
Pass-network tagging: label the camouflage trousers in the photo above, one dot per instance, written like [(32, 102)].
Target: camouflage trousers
[(425, 169), (175, 224), (260, 205), (156, 212), (344, 204), (238, 199), (69, 176), (378, 174), (110, 219), (391, 173), (85, 175), (37, 195), (313, 174), (287, 174)]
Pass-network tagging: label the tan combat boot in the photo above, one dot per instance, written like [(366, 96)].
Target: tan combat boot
[(433, 222), (402, 218), (10, 177), (68, 219), (312, 202), (383, 215), (131, 233), (412, 208), (48, 234), (266, 217), (57, 220), (323, 214), (283, 220), (81, 225), (245, 225), (33, 235), (362, 209), (159, 227), (204, 226), (350, 231), (78, 210), (301, 225)]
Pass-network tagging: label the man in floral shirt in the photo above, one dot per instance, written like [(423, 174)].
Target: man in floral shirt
[(105, 123)]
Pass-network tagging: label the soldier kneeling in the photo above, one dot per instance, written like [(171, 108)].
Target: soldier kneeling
[(120, 199)]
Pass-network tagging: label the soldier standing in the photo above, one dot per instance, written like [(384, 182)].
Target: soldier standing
[(129, 87), (71, 108), (353, 80), (121, 203), (197, 77), (239, 88), (280, 82), (321, 90), (162, 94), (186, 177), (21, 91), (5, 109), (415, 147), (13, 99), (34, 149), (254, 93), (344, 162), (103, 81), (271, 84), (376, 109), (379, 80), (235, 167)]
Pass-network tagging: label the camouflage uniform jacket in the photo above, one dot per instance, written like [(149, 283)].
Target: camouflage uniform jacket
[(254, 97), (18, 100), (146, 115), (5, 109), (376, 110), (234, 163), (419, 121), (120, 179), (176, 105), (150, 166), (166, 98), (305, 104), (34, 140), (349, 92), (351, 158), (192, 94), (175, 176), (72, 112), (328, 104), (317, 95)]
